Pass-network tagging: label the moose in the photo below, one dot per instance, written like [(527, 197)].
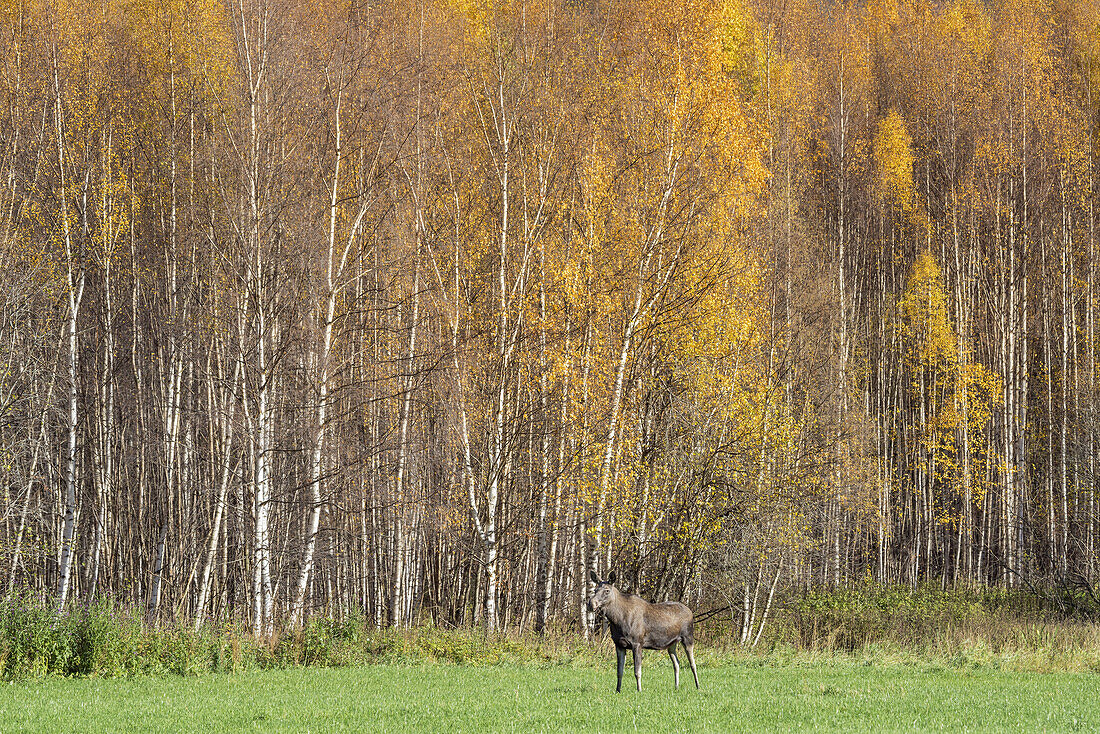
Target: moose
[(636, 625)]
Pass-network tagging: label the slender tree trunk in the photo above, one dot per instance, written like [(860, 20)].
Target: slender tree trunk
[(75, 283), (228, 410)]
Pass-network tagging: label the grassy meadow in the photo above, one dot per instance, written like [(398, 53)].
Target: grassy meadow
[(438, 697), (851, 660)]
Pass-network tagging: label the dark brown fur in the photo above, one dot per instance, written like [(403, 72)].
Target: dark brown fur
[(637, 625)]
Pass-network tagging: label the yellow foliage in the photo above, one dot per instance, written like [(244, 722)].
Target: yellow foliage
[(930, 337), (967, 22), (957, 397), (893, 161)]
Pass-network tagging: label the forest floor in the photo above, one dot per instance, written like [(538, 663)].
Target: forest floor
[(840, 696)]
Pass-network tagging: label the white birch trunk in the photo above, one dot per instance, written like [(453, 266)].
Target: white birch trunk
[(228, 410), (75, 287)]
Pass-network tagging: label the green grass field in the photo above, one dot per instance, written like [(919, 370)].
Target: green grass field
[(448, 698)]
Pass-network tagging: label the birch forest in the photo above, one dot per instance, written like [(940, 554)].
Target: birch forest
[(422, 310)]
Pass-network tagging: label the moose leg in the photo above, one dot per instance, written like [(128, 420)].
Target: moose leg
[(689, 646), (621, 652), (675, 663), (638, 665)]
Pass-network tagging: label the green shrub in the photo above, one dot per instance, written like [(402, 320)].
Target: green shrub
[(854, 617), (871, 625), (105, 641), (36, 640)]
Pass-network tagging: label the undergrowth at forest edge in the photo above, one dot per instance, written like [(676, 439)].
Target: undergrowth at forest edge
[(994, 628)]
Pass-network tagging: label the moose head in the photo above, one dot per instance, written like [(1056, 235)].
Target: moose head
[(605, 591)]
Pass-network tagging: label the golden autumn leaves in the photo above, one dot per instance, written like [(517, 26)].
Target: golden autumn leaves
[(539, 286)]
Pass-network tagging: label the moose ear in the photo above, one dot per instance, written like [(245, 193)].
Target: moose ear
[(611, 577), (595, 578)]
